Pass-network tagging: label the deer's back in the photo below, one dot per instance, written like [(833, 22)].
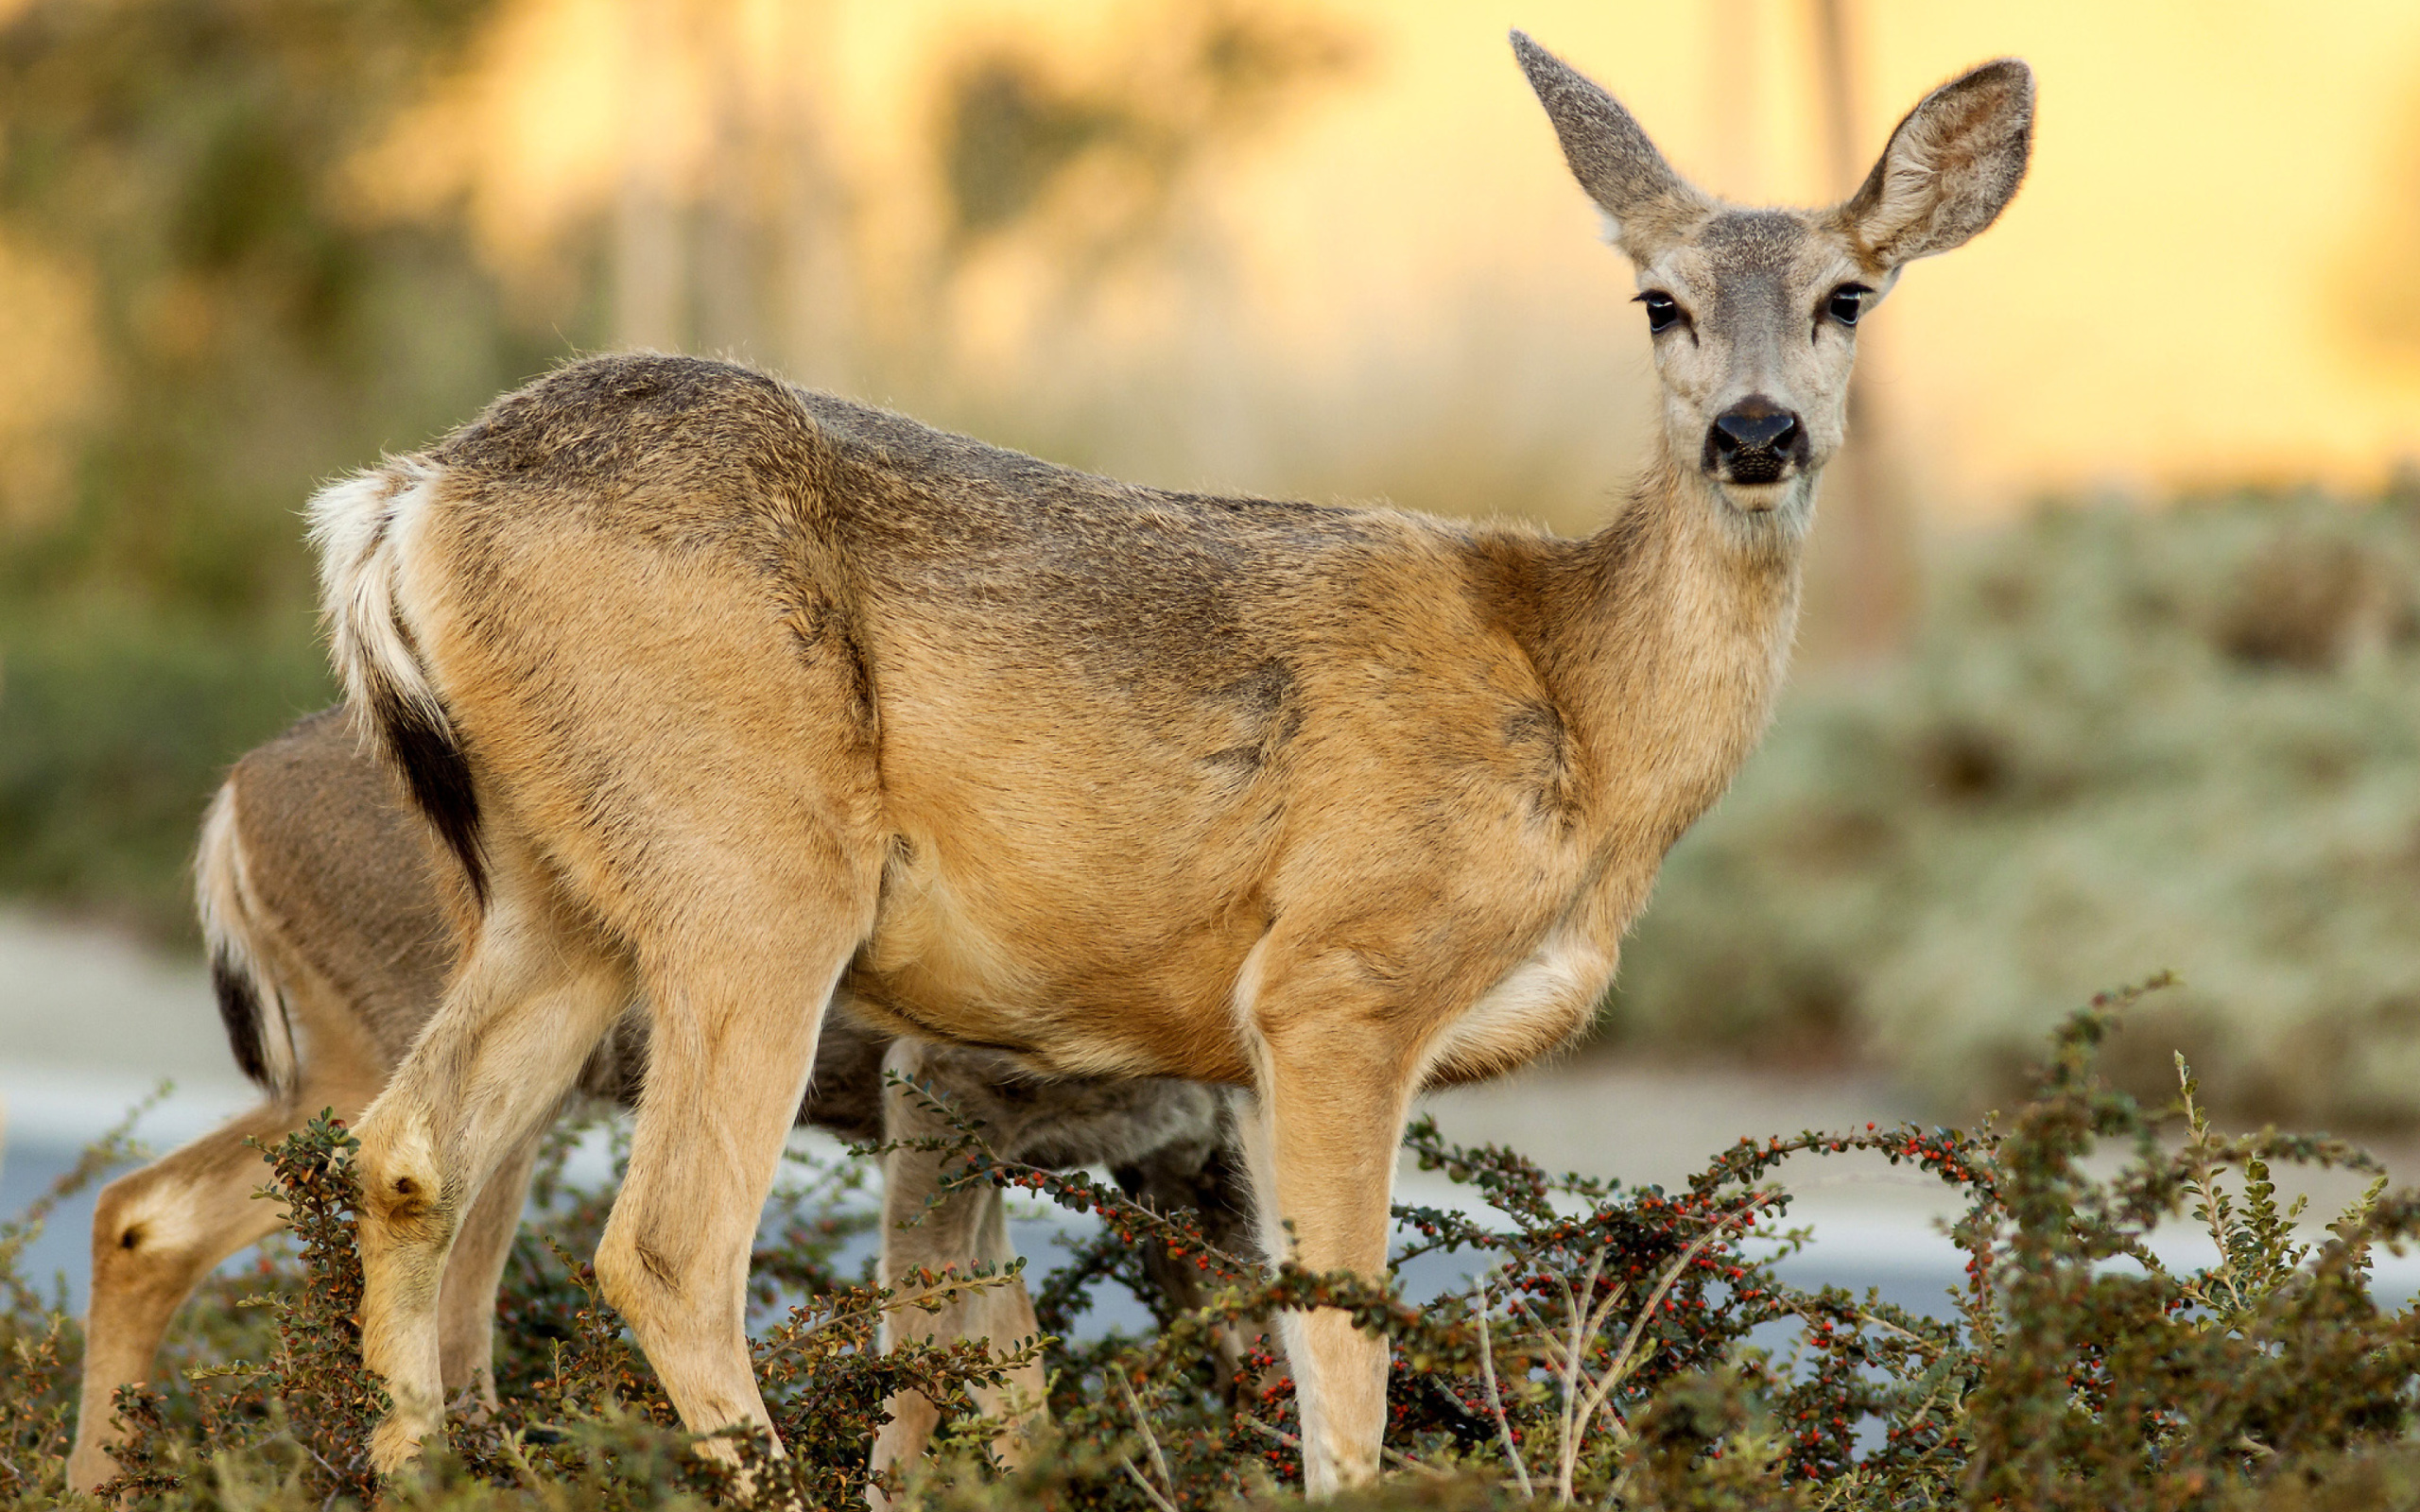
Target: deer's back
[(1115, 731)]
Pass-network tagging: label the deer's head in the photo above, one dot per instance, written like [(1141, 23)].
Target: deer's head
[(1755, 312)]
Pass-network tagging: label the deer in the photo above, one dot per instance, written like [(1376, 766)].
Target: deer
[(331, 924), (760, 700)]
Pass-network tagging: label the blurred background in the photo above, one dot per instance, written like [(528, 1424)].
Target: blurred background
[(2113, 655)]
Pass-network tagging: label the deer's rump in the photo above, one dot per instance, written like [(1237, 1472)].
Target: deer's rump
[(331, 852)]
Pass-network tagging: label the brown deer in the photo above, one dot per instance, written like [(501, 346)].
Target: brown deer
[(757, 700), (331, 929)]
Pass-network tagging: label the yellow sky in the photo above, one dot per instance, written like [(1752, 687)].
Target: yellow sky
[(2160, 307), (2164, 305)]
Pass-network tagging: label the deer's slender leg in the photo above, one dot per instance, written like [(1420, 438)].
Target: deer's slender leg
[(159, 1231), (1181, 1176), (737, 998), (1320, 1139), (156, 1233), (925, 1230), (533, 995), (466, 1297)]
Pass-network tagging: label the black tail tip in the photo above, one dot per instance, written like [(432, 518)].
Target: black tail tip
[(239, 1009), (439, 775)]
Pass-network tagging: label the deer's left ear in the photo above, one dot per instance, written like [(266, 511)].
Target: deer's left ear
[(1950, 168)]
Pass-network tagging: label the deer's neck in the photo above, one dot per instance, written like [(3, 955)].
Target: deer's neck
[(1664, 637)]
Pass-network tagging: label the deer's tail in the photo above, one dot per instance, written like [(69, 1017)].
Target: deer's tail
[(252, 1002), (362, 526)]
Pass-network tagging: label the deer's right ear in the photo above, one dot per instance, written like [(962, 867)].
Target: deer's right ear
[(1645, 202)]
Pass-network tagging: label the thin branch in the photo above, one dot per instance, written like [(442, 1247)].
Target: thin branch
[(1575, 1369), (951, 1284), (1393, 1456), (1495, 1398), (1630, 1358), (1148, 1490), (1918, 1340), (1672, 1273), (1150, 1440)]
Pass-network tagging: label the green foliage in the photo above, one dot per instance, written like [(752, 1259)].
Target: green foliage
[(2188, 737), (1605, 1352), (117, 721), (257, 324)]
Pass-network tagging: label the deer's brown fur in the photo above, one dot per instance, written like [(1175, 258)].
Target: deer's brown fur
[(332, 928), (760, 698)]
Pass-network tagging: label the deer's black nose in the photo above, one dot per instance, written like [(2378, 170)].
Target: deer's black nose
[(1755, 425), (1754, 442)]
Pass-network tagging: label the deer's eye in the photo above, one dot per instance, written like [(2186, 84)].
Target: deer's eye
[(1847, 302), (1661, 311)]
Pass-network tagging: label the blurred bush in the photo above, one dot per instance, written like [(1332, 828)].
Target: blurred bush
[(117, 720), (2126, 741), (1607, 1347), (229, 326)]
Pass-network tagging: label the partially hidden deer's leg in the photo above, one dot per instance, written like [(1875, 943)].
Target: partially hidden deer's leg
[(1204, 1179), (159, 1231), (1318, 1138), (732, 1026), (534, 993), (466, 1296), (156, 1233), (925, 1229)]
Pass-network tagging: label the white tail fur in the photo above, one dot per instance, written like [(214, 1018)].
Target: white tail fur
[(358, 527), (353, 527)]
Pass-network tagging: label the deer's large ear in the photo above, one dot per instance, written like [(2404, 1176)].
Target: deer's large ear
[(1645, 202), (1950, 168)]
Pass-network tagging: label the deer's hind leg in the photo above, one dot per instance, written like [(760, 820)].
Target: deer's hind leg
[(159, 1231), (738, 981), (683, 725), (536, 990), (927, 1229)]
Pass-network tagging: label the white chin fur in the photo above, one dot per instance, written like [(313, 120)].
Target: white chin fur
[(1757, 498)]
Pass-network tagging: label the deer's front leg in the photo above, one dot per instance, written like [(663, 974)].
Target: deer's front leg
[(1320, 1139)]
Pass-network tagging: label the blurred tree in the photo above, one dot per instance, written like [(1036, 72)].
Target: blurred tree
[(1087, 179), (1863, 575), (254, 326), (2378, 302), (1208, 72), (184, 176)]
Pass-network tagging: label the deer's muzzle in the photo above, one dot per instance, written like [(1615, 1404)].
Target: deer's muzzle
[(1756, 440)]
